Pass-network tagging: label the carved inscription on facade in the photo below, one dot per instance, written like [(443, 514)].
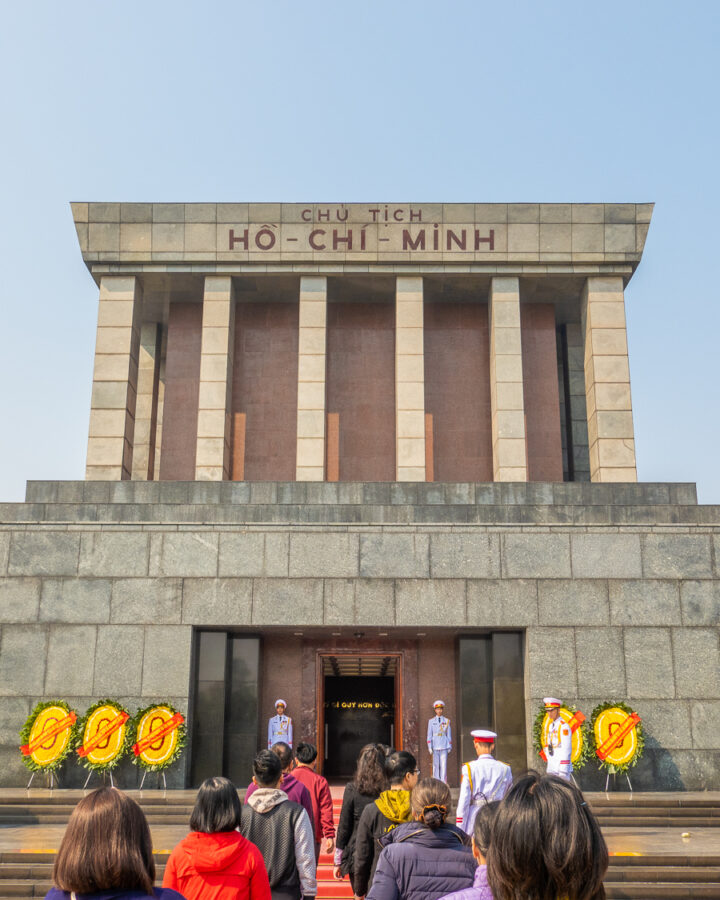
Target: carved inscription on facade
[(362, 229), (462, 238)]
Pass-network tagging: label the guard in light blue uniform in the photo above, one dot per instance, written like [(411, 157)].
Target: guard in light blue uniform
[(439, 740), (280, 727), (483, 780)]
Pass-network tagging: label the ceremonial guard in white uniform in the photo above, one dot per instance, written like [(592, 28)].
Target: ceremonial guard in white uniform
[(439, 741), (483, 780), (280, 726), (558, 746)]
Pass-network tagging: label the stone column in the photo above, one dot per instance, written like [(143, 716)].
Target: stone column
[(112, 412), (310, 459), (409, 380), (212, 458), (507, 400), (143, 461), (611, 435)]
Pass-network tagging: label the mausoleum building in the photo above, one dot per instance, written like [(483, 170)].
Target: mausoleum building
[(360, 456)]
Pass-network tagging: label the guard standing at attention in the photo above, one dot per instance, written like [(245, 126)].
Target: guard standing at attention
[(483, 780), (558, 745), (439, 740), (280, 726)]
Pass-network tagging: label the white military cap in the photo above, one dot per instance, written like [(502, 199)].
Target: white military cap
[(278, 702), (552, 702), (485, 737), (438, 703)]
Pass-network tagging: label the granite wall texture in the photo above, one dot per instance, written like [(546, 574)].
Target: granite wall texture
[(624, 611)]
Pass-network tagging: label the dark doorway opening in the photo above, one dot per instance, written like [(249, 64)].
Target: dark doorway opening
[(359, 710)]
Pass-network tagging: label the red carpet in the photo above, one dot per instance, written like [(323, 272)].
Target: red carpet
[(328, 887)]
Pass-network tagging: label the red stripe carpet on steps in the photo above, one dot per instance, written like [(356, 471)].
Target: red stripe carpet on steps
[(328, 887)]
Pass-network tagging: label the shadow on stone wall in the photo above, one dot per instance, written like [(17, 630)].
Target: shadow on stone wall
[(658, 766)]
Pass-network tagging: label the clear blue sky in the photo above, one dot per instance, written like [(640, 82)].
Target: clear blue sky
[(467, 101)]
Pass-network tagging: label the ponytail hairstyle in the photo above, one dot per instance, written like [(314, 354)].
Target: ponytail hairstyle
[(430, 801), (370, 773)]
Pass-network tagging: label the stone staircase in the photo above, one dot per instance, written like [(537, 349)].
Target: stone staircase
[(651, 874)]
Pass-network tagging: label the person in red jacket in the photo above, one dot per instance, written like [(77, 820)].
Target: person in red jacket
[(215, 862), (304, 771)]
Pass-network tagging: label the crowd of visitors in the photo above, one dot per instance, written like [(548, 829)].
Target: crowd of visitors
[(394, 841)]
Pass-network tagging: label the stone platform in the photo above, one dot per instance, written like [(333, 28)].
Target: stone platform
[(328, 503), (675, 860)]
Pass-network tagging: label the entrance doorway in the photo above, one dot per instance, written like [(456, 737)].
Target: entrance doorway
[(359, 707)]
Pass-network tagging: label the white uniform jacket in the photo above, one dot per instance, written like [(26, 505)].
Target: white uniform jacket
[(280, 729), (558, 748), (439, 733), (483, 780)]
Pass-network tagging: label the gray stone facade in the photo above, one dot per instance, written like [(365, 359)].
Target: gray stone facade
[(616, 587)]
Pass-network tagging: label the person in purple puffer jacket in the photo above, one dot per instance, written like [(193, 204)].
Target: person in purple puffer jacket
[(482, 831), (426, 858)]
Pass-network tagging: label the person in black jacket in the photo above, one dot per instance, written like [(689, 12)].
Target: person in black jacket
[(366, 786), (428, 857), (391, 809), (281, 830)]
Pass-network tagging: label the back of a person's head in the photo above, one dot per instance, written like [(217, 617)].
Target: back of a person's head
[(284, 754), (267, 768), (217, 807), (306, 753), (482, 830), (546, 843), (370, 772), (106, 847), (429, 801), (398, 765)]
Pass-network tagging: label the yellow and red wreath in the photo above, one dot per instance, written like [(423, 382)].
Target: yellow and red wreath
[(48, 735), (104, 735), (159, 736), (618, 734)]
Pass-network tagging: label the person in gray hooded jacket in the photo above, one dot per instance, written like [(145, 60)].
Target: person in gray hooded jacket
[(282, 832)]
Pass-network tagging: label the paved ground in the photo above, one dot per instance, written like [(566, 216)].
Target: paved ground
[(621, 841)]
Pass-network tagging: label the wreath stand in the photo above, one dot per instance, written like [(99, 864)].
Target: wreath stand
[(161, 773), (614, 776), (92, 772), (53, 778)]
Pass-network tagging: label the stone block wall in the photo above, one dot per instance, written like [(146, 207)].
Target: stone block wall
[(610, 611)]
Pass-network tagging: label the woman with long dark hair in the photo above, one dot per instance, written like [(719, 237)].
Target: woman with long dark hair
[(367, 785), (428, 857), (546, 843), (215, 862), (106, 851)]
